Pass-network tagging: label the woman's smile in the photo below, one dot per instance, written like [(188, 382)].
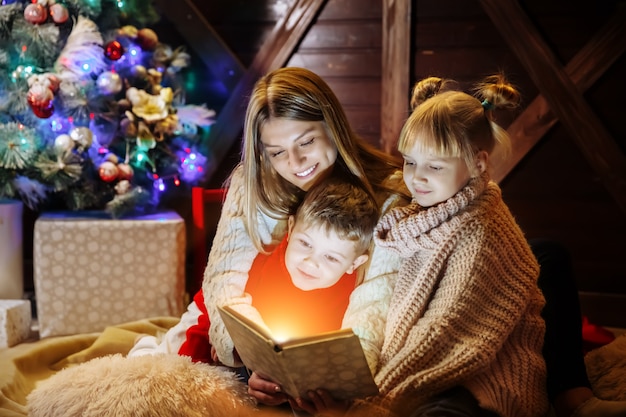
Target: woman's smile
[(307, 172)]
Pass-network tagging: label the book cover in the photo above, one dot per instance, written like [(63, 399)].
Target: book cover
[(332, 361)]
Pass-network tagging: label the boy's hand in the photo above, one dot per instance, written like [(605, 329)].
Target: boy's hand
[(265, 391)]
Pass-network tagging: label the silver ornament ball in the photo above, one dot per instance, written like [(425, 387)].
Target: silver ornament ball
[(109, 82)]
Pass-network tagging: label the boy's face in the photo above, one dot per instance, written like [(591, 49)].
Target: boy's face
[(316, 259)]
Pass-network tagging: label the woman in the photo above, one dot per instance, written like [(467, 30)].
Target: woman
[(295, 134)]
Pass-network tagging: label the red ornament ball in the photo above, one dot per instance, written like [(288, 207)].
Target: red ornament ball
[(59, 13), (35, 13), (41, 109), (108, 171), (147, 39), (125, 171), (113, 50)]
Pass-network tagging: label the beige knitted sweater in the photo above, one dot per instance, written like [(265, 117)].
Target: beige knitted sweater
[(466, 307)]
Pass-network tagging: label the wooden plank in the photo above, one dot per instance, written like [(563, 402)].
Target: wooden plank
[(395, 71), (245, 39), (463, 64), (342, 63), (203, 39), (561, 94), (321, 36), (352, 10), (250, 11), (356, 91), (243, 11), (478, 32), (584, 70), (273, 54), (339, 34), (363, 120)]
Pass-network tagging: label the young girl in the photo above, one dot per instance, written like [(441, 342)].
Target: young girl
[(464, 331)]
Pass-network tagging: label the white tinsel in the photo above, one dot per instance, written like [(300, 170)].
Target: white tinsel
[(7, 14), (83, 46), (195, 115), (31, 191)]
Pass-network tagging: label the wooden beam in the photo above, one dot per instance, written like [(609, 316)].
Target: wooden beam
[(584, 70), (204, 40), (561, 94), (395, 71), (274, 54)]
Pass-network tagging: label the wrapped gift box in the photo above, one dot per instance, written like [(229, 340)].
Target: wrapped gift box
[(15, 320), (91, 271)]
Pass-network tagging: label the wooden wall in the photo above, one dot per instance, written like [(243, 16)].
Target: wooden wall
[(557, 190)]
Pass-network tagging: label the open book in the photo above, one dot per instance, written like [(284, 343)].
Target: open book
[(332, 361)]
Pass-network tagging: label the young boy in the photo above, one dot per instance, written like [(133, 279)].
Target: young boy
[(304, 284)]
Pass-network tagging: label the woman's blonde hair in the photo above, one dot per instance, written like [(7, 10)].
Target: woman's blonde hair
[(453, 123), (299, 94)]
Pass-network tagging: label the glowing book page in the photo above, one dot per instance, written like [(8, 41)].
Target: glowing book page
[(332, 361)]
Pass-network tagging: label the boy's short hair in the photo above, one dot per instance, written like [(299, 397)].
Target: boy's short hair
[(343, 208)]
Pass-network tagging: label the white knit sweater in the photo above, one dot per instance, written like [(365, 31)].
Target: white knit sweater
[(466, 307), (232, 255)]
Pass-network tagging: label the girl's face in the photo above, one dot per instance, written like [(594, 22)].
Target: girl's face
[(433, 179), (317, 259), (301, 152)]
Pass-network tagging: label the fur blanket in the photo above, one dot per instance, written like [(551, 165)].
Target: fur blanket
[(606, 367), (165, 385), (44, 373), (26, 364)]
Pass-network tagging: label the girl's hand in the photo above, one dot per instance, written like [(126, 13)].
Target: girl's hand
[(320, 403), (265, 391)]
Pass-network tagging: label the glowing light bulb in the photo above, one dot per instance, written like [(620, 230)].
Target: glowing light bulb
[(159, 184)]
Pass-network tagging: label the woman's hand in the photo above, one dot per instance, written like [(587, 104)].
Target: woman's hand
[(265, 391), (320, 403), (216, 359)]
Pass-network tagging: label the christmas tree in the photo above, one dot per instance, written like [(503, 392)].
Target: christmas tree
[(92, 109)]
